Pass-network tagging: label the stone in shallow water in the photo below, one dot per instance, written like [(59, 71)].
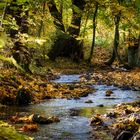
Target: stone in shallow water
[(89, 101), (100, 105), (74, 112), (109, 92), (43, 120), (96, 120)]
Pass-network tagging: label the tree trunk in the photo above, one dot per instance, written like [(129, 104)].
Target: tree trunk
[(138, 59), (20, 51), (3, 15), (132, 56), (134, 51), (116, 41), (41, 22), (67, 45), (94, 32), (76, 19), (57, 16)]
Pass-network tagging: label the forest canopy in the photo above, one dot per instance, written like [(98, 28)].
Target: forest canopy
[(47, 29)]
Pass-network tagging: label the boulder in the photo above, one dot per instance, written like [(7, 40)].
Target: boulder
[(44, 120), (23, 97)]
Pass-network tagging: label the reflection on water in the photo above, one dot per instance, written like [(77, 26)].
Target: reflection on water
[(68, 78), (88, 112), (74, 114)]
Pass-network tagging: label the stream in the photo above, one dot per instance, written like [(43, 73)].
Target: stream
[(74, 114)]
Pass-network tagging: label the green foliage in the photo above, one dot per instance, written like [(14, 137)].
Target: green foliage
[(102, 42), (76, 9), (2, 4), (11, 60), (137, 3), (58, 4), (2, 39)]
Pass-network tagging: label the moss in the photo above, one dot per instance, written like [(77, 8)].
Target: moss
[(7, 132)]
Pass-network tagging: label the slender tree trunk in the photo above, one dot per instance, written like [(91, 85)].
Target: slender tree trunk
[(57, 16), (75, 32), (3, 15), (83, 34), (85, 25), (76, 19), (116, 41), (94, 32), (41, 22), (138, 60)]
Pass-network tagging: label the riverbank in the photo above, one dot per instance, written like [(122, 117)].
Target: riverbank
[(99, 73), (125, 79), (39, 87), (122, 123), (22, 89)]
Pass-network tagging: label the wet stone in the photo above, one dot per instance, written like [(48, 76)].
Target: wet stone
[(23, 97), (108, 92), (44, 120), (112, 115), (74, 112), (124, 135), (47, 97), (76, 98), (96, 120), (101, 105), (127, 111), (89, 101), (125, 88), (71, 87), (136, 136)]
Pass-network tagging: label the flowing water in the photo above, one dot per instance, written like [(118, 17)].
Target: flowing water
[(74, 114)]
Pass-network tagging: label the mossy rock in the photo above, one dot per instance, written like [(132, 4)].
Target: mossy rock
[(7, 132)]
